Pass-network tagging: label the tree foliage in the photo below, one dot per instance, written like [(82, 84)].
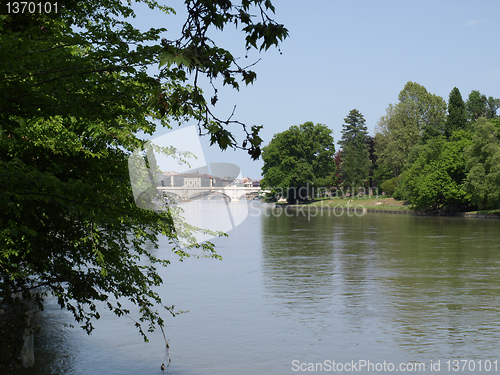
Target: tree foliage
[(299, 159), (338, 161), (389, 186), (476, 105), (355, 166), (394, 141), (374, 178), (417, 117), (76, 91), (354, 124), (457, 113), (435, 179), (483, 165), (423, 111), (480, 106), (492, 106)]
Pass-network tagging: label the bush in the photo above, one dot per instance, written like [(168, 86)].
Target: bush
[(389, 186)]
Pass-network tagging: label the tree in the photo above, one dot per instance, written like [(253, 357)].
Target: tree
[(354, 125), (299, 160), (76, 93), (483, 166), (476, 105), (457, 113), (374, 178), (480, 106), (434, 181), (384, 166), (425, 111), (492, 106), (394, 140), (355, 166), (389, 186), (338, 160), (416, 118)]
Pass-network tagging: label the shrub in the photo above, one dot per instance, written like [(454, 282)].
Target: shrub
[(389, 186)]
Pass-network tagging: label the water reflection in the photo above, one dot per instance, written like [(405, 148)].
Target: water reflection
[(441, 283), (430, 285), (378, 287)]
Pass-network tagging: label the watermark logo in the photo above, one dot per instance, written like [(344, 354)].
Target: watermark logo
[(306, 211), (171, 173)]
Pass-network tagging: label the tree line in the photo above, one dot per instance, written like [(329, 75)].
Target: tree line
[(438, 156)]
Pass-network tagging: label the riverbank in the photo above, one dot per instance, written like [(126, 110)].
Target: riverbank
[(369, 203), (387, 205)]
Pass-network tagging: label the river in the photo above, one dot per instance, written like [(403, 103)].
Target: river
[(363, 294)]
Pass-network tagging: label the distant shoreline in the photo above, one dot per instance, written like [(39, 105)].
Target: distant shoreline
[(387, 206)]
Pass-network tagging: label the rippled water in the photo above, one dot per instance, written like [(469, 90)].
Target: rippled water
[(293, 291)]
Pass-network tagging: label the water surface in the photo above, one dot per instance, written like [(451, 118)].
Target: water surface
[(293, 290)]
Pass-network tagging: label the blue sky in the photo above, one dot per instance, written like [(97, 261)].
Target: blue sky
[(342, 55)]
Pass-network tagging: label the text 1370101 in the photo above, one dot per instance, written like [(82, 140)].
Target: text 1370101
[(16, 7)]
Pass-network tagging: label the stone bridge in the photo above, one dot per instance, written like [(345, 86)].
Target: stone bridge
[(232, 193)]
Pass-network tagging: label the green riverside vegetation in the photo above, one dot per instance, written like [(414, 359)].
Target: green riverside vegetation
[(77, 96), (429, 155)]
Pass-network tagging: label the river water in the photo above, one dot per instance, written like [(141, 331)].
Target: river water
[(362, 294)]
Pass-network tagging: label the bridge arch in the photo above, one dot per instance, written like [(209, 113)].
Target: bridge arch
[(210, 195), (249, 196), (217, 195), (199, 195), (168, 195)]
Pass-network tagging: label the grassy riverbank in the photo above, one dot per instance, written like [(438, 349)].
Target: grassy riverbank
[(496, 211), (377, 203), (381, 204)]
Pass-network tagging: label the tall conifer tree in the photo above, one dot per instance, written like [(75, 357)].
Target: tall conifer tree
[(457, 113), (354, 124), (355, 166)]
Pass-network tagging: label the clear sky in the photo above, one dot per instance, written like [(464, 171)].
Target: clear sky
[(350, 54)]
